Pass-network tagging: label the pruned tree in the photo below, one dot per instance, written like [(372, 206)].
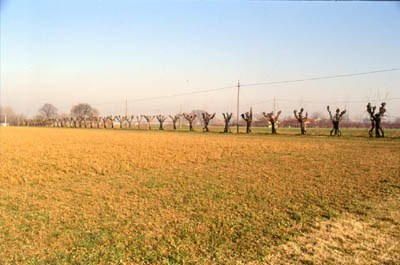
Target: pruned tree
[(96, 121), (301, 119), (272, 119), (190, 118), (227, 119), (83, 110), (149, 119), (336, 120), (129, 120), (139, 119), (376, 119), (48, 111), (110, 118), (73, 122), (248, 118), (174, 120), (120, 120), (104, 121), (207, 117), (161, 120)]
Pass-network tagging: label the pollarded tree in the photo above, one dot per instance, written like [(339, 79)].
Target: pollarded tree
[(78, 122), (336, 120), (207, 117), (174, 120), (161, 120), (72, 122), (190, 119), (120, 120), (96, 122), (139, 119), (272, 119), (110, 119), (301, 119), (149, 119), (376, 119), (227, 119), (84, 120), (248, 117), (129, 120)]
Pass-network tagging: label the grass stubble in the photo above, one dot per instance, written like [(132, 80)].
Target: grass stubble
[(71, 196)]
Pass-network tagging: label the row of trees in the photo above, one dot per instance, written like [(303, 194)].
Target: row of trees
[(84, 116)]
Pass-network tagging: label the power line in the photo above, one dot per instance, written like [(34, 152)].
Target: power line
[(321, 77), (251, 84), (264, 83)]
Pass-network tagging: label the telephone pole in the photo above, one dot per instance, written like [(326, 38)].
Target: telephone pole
[(274, 105), (237, 107)]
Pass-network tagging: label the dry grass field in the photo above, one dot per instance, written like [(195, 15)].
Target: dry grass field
[(92, 196)]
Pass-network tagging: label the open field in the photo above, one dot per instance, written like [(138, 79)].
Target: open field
[(95, 196)]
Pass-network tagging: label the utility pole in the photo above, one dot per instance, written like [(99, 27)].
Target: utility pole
[(274, 105), (237, 107)]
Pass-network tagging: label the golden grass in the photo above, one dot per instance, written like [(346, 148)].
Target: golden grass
[(75, 196), (352, 239)]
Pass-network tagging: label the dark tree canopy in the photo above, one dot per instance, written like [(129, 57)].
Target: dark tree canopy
[(83, 110), (48, 111)]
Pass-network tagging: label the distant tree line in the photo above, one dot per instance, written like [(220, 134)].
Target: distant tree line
[(83, 115)]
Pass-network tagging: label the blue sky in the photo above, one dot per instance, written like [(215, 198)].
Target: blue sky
[(104, 52)]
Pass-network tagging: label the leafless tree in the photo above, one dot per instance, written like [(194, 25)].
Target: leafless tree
[(301, 119), (104, 121), (72, 122), (227, 119), (96, 122), (190, 118), (139, 120), (248, 117), (207, 117), (120, 120), (336, 120), (174, 120), (376, 119), (83, 110), (129, 120), (48, 111), (110, 118), (272, 119), (149, 119), (161, 120)]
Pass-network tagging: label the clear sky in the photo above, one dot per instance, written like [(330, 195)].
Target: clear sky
[(103, 52)]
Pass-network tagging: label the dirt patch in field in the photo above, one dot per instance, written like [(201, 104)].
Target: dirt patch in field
[(371, 237)]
